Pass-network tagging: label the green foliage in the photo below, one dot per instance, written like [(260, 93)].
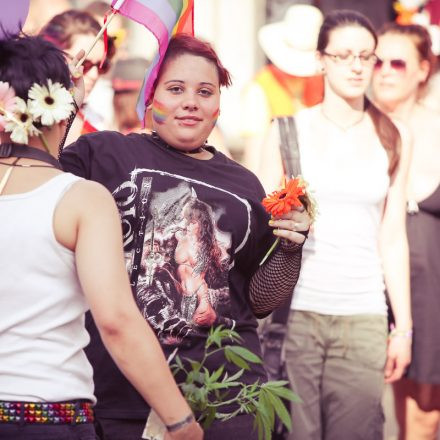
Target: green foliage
[(209, 392)]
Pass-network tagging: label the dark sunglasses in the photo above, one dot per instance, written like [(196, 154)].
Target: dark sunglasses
[(396, 64), (102, 69)]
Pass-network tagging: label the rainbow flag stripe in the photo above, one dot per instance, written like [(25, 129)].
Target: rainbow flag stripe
[(164, 18), (159, 112)]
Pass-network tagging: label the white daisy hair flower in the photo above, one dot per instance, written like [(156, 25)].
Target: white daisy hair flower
[(7, 102), (51, 104), (20, 124)]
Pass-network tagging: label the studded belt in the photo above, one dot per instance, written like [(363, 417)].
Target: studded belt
[(74, 412)]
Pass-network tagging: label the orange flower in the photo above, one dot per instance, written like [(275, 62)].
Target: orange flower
[(281, 202)]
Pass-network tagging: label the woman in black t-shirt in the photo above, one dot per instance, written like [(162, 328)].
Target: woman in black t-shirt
[(162, 183)]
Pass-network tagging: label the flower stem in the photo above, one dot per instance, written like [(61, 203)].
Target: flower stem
[(270, 251)]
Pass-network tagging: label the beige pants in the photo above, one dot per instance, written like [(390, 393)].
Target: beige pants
[(335, 364)]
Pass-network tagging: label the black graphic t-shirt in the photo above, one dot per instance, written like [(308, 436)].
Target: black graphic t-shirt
[(194, 232)]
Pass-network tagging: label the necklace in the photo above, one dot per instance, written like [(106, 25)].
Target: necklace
[(157, 138), (343, 127)]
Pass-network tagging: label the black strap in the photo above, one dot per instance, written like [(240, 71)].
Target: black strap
[(25, 151), (289, 147), (289, 150)]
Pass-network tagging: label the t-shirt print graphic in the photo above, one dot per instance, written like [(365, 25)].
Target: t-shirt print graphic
[(178, 259)]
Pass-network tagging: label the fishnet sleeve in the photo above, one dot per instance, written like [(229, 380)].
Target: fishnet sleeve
[(273, 282)]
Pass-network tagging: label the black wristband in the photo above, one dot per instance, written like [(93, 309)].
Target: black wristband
[(176, 426)]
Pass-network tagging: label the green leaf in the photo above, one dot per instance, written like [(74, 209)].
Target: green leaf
[(196, 366), (266, 408), (210, 417), (280, 410), (237, 360), (200, 396), (234, 377), (259, 424), (286, 393), (275, 383), (179, 362), (245, 354), (217, 373)]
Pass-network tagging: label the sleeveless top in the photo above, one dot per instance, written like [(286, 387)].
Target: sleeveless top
[(341, 271), (423, 226), (42, 333)]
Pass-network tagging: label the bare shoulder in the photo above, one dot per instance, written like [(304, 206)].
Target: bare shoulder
[(428, 120), (88, 196), (85, 203)]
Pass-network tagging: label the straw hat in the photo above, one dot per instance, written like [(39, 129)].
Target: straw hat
[(290, 44)]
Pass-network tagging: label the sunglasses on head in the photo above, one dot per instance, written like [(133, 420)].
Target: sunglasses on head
[(395, 64)]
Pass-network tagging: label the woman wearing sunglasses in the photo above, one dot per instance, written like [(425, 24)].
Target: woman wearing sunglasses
[(399, 83), (355, 162), (72, 31)]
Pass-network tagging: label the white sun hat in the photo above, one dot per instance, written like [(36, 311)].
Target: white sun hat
[(290, 44)]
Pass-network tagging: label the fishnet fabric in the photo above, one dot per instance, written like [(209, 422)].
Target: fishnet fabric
[(273, 282)]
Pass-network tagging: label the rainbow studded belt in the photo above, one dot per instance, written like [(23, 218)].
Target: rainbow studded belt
[(73, 413)]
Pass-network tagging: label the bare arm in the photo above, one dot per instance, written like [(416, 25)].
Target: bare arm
[(125, 333), (395, 259)]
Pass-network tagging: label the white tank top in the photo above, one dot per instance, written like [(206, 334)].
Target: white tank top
[(42, 307), (341, 271)]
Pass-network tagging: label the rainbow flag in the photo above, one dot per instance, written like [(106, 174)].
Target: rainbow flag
[(164, 18)]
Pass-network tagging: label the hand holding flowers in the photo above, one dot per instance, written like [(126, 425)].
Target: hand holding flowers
[(293, 210)]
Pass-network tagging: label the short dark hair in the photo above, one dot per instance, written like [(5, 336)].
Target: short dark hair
[(25, 60), (182, 44)]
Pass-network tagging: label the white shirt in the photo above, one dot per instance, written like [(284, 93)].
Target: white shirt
[(347, 173), (42, 307)]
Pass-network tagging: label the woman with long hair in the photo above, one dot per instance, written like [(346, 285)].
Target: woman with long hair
[(337, 350), (405, 63)]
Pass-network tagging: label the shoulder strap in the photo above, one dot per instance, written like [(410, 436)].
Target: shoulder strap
[(289, 150), (25, 151), (289, 147)]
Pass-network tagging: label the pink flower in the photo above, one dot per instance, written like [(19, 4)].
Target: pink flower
[(7, 102)]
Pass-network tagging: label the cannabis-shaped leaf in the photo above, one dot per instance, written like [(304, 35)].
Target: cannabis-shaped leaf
[(208, 392)]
